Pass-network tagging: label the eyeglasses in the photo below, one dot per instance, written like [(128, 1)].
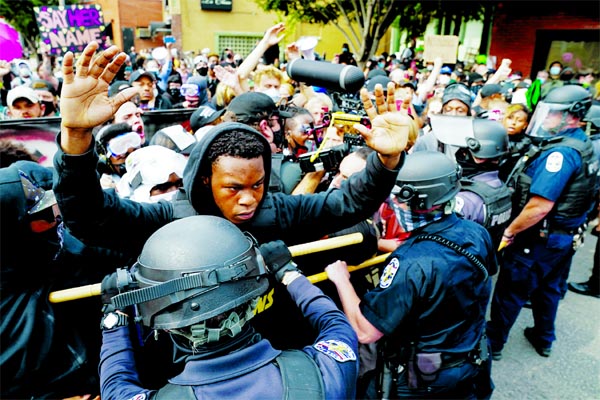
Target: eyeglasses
[(119, 145), (188, 89)]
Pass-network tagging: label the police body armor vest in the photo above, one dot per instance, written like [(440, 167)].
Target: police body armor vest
[(300, 376), (577, 197), (497, 203)]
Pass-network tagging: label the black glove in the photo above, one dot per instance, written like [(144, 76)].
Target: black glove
[(278, 259), (115, 283), (109, 288)]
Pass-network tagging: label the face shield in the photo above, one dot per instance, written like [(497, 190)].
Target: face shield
[(547, 120)]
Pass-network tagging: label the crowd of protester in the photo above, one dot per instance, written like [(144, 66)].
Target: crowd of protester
[(486, 111)]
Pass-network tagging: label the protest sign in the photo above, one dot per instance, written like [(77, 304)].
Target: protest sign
[(443, 46), (70, 28)]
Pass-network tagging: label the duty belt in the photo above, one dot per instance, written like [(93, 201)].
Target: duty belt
[(450, 360)]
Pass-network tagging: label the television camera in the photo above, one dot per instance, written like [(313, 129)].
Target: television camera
[(344, 83)]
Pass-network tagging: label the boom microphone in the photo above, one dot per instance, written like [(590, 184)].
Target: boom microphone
[(336, 77)]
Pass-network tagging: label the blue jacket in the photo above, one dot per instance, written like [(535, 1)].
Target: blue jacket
[(248, 373)]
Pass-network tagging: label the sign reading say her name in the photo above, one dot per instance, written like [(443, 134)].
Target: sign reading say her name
[(70, 28)]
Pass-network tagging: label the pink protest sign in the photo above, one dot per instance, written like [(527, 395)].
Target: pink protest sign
[(70, 28)]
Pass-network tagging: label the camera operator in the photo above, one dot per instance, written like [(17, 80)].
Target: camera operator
[(297, 140)]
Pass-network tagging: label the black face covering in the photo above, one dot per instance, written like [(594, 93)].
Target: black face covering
[(278, 138), (50, 108), (175, 94), (202, 71), (470, 167)]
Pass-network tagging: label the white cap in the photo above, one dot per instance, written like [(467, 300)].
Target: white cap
[(22, 92), (199, 59)]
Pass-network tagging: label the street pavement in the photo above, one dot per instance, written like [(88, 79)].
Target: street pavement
[(573, 369)]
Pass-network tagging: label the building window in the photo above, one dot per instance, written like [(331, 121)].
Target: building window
[(240, 43)]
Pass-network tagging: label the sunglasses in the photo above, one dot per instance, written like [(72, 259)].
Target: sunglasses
[(118, 146)]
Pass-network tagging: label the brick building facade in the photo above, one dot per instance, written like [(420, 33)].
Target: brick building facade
[(532, 34)]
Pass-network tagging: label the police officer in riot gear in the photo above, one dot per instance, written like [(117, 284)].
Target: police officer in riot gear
[(554, 187), (432, 296), (199, 279), (484, 198)]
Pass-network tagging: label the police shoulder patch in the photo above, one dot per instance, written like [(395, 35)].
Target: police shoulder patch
[(388, 273), (140, 396), (336, 349), (554, 162)]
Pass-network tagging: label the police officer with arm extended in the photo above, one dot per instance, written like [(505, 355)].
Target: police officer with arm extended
[(432, 296), (198, 279), (554, 187)]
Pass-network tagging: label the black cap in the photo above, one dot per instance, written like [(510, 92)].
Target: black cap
[(475, 77), (249, 106), (136, 75), (376, 72), (490, 89), (410, 84), (203, 116), (117, 86), (377, 79), (174, 78), (457, 91)]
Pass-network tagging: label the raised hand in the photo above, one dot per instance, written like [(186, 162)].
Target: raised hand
[(272, 36), (292, 52), (84, 101), (229, 76), (389, 128)]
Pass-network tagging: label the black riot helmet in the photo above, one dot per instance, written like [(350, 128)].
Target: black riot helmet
[(560, 101), (592, 119), (193, 269), (490, 139), (575, 98), (427, 179)]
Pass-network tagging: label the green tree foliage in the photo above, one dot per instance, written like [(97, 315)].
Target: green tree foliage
[(20, 14), (369, 20)]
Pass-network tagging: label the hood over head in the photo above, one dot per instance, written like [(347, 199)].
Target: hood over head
[(198, 165), (15, 230)]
